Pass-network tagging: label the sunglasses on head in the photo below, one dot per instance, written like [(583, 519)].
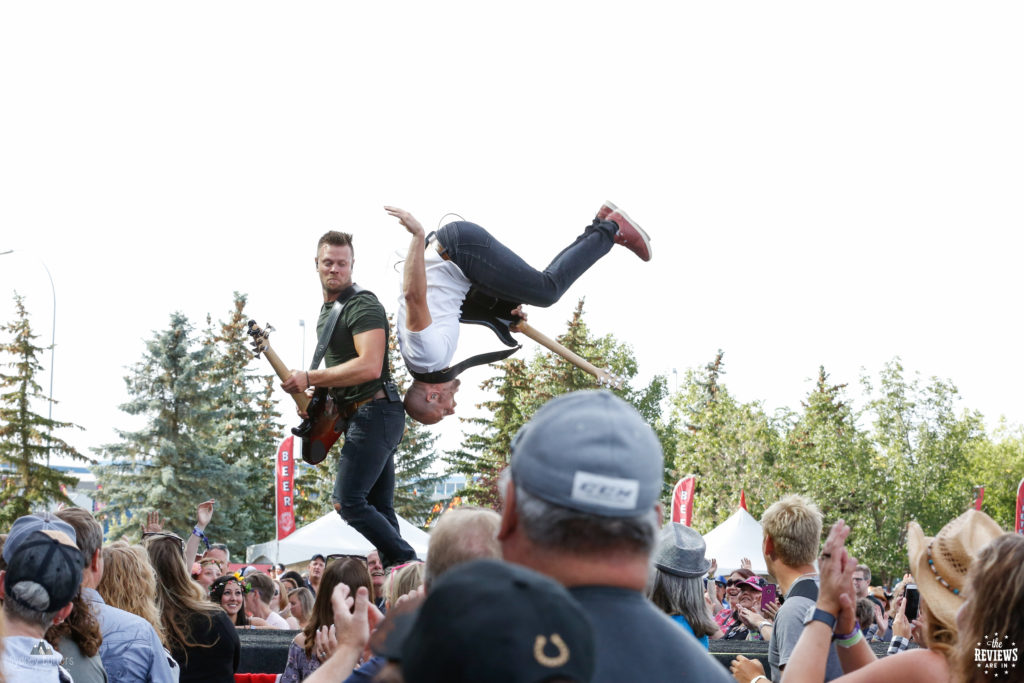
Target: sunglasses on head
[(166, 534), (340, 556)]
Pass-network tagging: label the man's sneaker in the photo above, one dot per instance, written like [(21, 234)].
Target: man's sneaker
[(630, 235), (605, 210)]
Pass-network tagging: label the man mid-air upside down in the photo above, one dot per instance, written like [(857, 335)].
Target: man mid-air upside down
[(435, 281)]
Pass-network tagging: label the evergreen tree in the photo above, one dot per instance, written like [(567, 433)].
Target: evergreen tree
[(26, 437), (172, 463), (249, 432), (730, 446)]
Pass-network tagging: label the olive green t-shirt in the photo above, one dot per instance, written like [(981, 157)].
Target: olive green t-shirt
[(362, 313)]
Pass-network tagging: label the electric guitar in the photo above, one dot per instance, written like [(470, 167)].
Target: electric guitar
[(323, 424)]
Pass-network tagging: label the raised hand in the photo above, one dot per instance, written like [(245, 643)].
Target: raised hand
[(835, 567), (152, 523), (745, 670), (406, 219), (745, 563), (204, 513)]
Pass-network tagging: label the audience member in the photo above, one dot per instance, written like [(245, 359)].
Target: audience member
[(257, 601), (303, 657), (581, 506), (460, 535), (43, 574), (675, 584), (300, 600), (940, 565), (78, 640), (129, 584), (209, 570), (294, 579), (862, 586), (316, 572), (220, 554), (488, 620), (201, 637), (131, 649), (792, 534), (401, 580), (376, 569), (229, 592)]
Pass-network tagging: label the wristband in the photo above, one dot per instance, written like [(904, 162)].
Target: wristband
[(758, 677), (201, 535), (848, 636), (307, 379), (851, 641)]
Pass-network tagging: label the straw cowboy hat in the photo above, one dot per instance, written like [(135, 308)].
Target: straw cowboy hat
[(940, 563)]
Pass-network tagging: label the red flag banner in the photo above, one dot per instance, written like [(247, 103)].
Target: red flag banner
[(743, 499), (979, 496), (682, 500), (285, 485), (1020, 508)]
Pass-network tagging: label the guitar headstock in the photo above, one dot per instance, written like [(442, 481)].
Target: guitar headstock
[(260, 337), (605, 378)]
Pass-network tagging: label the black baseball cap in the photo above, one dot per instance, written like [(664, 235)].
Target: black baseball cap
[(47, 560), (494, 621)]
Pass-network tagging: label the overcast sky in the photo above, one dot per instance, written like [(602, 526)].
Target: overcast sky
[(824, 184)]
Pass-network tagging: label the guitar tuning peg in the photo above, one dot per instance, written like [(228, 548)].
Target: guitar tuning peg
[(269, 328)]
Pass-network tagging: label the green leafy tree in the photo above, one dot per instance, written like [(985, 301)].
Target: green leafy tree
[(250, 429), (730, 446), (26, 437), (997, 463), (921, 450), (173, 462)]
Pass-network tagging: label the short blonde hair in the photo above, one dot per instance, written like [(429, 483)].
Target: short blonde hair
[(794, 523)]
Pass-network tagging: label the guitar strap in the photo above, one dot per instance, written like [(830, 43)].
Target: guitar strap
[(332, 322), (450, 373)]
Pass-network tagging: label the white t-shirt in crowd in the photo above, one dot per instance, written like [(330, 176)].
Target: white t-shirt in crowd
[(275, 620), (432, 348)]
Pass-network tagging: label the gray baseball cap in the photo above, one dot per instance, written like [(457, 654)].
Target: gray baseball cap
[(681, 551), (24, 526), (589, 451)]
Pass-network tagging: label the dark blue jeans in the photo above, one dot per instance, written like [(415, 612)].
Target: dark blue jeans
[(498, 271), (365, 485)]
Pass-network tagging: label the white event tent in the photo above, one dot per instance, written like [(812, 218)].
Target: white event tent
[(737, 537), (329, 534)]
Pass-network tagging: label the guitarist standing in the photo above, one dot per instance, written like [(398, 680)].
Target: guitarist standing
[(359, 379)]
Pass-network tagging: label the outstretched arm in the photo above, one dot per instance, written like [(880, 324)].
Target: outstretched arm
[(414, 276)]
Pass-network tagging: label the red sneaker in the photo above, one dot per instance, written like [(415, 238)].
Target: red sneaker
[(605, 210), (630, 235)]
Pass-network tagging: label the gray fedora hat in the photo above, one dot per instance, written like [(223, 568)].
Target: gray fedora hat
[(681, 551)]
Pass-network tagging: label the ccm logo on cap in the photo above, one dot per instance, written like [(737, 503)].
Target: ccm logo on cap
[(610, 492)]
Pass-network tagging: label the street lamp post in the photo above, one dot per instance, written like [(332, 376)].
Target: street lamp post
[(53, 346)]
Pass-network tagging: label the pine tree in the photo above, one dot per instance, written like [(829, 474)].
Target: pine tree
[(26, 437), (730, 446), (250, 430), (172, 463)]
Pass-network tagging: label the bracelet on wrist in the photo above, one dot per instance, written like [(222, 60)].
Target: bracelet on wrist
[(307, 380), (851, 641), (196, 531), (758, 677)]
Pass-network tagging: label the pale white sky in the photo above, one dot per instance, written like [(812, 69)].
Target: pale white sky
[(824, 184)]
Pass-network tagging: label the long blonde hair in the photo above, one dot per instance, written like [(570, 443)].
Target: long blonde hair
[(995, 595), (129, 583)]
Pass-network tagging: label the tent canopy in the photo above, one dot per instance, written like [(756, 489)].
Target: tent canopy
[(737, 537), (329, 534)]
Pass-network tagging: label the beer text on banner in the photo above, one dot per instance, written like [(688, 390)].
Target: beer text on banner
[(682, 501), (1020, 508), (285, 485)]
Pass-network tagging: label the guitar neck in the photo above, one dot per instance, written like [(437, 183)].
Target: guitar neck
[(581, 363), (284, 373)]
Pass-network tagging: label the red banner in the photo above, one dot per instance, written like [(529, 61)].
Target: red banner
[(1020, 508), (682, 500), (284, 485), (979, 496)]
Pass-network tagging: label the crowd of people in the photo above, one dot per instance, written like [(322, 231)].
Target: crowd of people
[(576, 579)]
